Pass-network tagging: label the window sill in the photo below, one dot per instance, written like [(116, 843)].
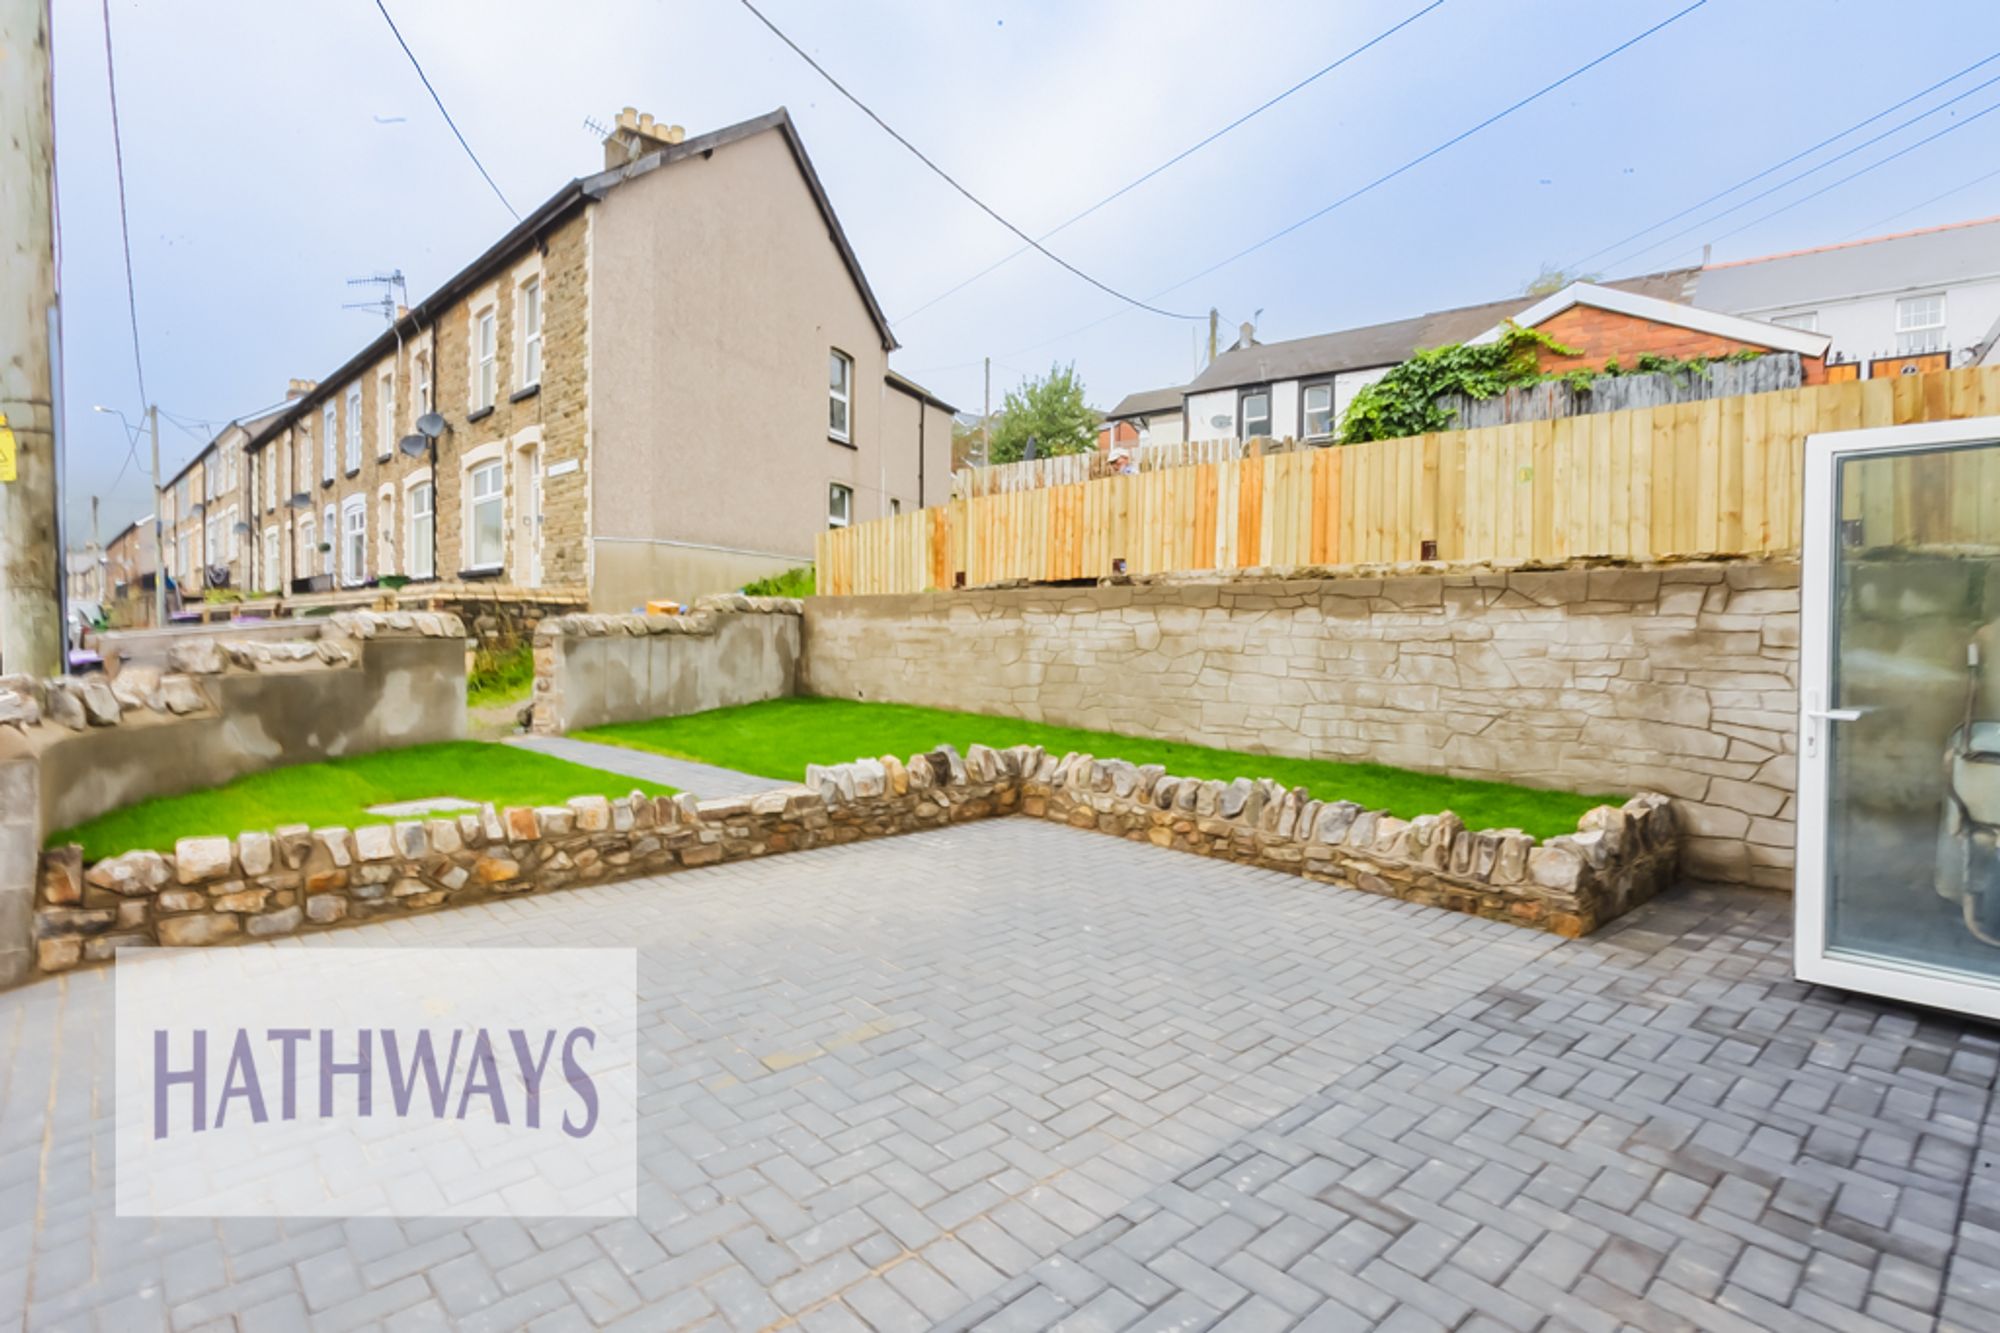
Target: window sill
[(353, 472), (845, 444), (479, 415), (528, 392), (483, 572)]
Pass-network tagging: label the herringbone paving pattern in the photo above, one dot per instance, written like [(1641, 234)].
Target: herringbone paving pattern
[(1013, 1076)]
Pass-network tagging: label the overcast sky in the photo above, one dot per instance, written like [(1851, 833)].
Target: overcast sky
[(274, 151)]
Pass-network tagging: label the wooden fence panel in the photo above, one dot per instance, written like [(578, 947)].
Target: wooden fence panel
[(1713, 476)]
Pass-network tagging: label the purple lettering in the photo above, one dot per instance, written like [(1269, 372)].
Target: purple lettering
[(359, 1069), (482, 1075), (403, 1085), (531, 1072), (196, 1078), (580, 1082), (289, 1039), (241, 1081)]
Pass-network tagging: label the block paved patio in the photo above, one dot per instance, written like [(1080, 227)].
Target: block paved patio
[(1012, 1076)]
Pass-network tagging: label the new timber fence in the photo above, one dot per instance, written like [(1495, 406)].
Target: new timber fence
[(1714, 478)]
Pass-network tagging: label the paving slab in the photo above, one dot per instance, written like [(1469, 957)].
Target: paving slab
[(1012, 1075), (702, 780)]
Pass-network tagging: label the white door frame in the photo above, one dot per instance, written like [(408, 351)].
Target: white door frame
[(1938, 988), (528, 510)]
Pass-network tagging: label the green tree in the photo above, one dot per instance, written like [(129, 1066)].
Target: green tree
[(1051, 411), (1552, 280)]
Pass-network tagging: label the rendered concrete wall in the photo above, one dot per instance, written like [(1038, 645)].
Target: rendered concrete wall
[(1680, 679), (592, 669), (20, 850), (401, 692)]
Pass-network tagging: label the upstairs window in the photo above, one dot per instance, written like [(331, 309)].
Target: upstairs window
[(840, 397), (1254, 415), (839, 505), (354, 428), (328, 425), (385, 413), (423, 384), (1316, 411), (1920, 324), (419, 563), (485, 371), (529, 313), (1806, 321)]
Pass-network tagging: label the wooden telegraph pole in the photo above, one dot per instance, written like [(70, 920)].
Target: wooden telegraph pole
[(31, 632)]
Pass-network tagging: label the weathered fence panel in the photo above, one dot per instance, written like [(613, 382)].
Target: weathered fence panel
[(1548, 401), (1720, 476)]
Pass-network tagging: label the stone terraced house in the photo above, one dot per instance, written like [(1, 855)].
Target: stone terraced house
[(663, 382)]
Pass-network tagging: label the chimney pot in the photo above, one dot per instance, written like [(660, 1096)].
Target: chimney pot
[(645, 122)]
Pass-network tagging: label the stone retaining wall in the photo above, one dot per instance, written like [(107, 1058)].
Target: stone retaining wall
[(262, 885), (1679, 678), (731, 649), (74, 748)]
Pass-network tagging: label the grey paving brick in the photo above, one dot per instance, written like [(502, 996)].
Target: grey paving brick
[(1254, 1103)]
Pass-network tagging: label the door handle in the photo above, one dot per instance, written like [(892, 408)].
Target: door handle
[(1836, 714)]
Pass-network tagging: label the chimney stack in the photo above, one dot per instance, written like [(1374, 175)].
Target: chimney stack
[(297, 389), (638, 135), (1247, 335)]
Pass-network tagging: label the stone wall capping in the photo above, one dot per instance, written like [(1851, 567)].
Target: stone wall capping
[(704, 618), (259, 885)]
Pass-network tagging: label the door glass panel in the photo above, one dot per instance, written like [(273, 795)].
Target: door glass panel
[(1913, 792)]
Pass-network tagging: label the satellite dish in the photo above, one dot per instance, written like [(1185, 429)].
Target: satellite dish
[(416, 446), (430, 425)]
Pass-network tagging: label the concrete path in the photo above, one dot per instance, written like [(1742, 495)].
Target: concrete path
[(703, 780)]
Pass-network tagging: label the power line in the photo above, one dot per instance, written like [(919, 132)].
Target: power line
[(1879, 162), (124, 223), (1187, 152), (1841, 156), (947, 178), (1352, 195), (416, 65), (1455, 139), (1779, 166), (1875, 226)]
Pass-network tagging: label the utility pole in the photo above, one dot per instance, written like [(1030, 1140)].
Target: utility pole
[(1214, 317), (986, 418), (159, 526), (31, 632)]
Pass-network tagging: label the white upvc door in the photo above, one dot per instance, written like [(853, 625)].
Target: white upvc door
[(528, 535), (1898, 887)]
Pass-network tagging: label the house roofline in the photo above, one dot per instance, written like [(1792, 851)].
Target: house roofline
[(583, 190), (1734, 327), (904, 384), (1849, 245)]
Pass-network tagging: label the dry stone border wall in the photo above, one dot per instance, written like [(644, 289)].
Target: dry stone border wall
[(591, 669), (260, 885)]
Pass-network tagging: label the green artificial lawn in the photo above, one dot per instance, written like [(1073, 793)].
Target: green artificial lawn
[(338, 792), (778, 738)]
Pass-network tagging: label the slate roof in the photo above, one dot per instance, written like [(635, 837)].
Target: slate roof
[(1906, 261), (1391, 343)]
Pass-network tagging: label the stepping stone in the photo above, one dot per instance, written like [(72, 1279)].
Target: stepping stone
[(436, 805)]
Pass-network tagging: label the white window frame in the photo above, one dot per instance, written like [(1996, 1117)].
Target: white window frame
[(1243, 413), (230, 518), (483, 463), (353, 409), (306, 554), (385, 414), (1812, 960), (839, 504), (840, 395), (1925, 337), (528, 332), (274, 559), (418, 562), (483, 355), (1805, 321), (421, 374), (329, 424), (385, 529), (353, 549), (1305, 411)]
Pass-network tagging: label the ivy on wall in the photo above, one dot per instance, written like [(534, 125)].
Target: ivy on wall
[(1406, 402)]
